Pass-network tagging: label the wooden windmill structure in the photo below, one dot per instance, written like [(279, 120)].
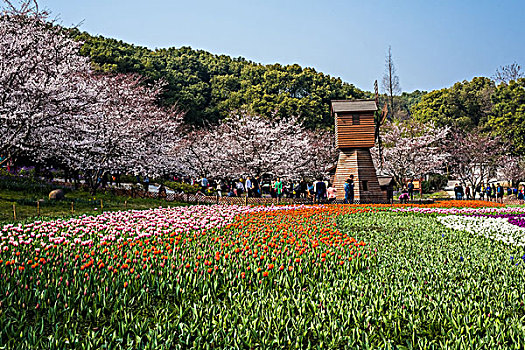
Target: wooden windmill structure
[(355, 134)]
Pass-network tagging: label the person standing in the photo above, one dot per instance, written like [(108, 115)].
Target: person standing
[(488, 192), (240, 188), (331, 193), (249, 187), (296, 189), (104, 180), (499, 193), (456, 191), (481, 191), (219, 188), (256, 187), (162, 191), (403, 198), (303, 189), (204, 184), (467, 192), (310, 188), (461, 192), (320, 190), (349, 190), (291, 189), (146, 183), (411, 189), (278, 187)]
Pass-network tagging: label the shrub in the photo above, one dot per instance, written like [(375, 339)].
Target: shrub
[(436, 182), (182, 187)]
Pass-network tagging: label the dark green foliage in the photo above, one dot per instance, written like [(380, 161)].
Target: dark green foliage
[(403, 103), (508, 118), (208, 87), (407, 100), (433, 287), (436, 182), (28, 184), (466, 105)]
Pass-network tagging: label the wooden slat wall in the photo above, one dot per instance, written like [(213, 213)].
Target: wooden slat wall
[(354, 136), (358, 162)]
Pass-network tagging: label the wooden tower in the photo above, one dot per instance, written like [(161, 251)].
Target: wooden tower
[(354, 136)]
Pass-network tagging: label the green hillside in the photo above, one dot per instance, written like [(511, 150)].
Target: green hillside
[(209, 86)]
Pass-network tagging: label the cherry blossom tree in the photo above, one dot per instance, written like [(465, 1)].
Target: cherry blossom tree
[(246, 144), (474, 156), (41, 76), (123, 131), (411, 149), (512, 168)]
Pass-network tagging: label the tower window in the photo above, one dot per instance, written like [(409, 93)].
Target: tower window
[(355, 119), (365, 185)]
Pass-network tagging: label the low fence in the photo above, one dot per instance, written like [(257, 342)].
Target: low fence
[(201, 199)]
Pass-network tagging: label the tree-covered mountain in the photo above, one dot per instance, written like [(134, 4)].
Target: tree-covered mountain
[(481, 105), (208, 87), (465, 105), (508, 114)]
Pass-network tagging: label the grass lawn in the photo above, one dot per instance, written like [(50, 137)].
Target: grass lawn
[(75, 203)]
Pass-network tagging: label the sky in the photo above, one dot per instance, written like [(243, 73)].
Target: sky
[(435, 43)]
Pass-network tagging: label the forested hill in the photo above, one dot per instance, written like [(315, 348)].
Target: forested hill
[(209, 86)]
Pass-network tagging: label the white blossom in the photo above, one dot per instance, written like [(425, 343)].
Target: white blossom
[(245, 144), (411, 150)]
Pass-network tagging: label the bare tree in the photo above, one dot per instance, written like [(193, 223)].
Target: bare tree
[(505, 74), (390, 83)]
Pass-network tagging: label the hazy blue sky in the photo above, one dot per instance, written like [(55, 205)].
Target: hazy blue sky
[(434, 43)]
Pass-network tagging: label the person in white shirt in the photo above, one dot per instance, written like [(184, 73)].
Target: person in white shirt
[(249, 186)]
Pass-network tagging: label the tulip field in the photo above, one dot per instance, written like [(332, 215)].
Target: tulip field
[(446, 275)]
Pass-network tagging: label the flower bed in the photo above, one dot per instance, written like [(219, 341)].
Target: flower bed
[(89, 268), (265, 277), (494, 228)]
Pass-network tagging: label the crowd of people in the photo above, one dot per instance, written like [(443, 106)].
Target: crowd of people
[(319, 190), (490, 192)]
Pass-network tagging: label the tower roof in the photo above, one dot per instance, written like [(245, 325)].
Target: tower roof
[(341, 106)]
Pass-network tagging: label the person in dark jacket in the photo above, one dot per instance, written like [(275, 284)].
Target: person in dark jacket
[(499, 193), (411, 187), (320, 190), (457, 191), (303, 189), (349, 190)]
